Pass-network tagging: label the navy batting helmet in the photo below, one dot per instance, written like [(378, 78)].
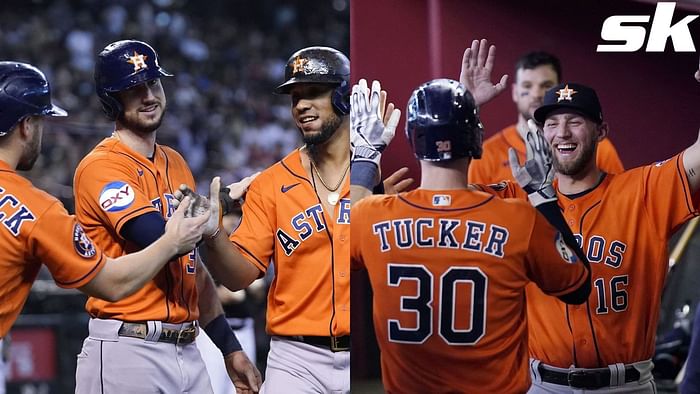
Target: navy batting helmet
[(24, 91), (443, 123), (320, 65), (121, 65)]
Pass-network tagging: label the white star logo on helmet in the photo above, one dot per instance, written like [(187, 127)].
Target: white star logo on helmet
[(139, 61)]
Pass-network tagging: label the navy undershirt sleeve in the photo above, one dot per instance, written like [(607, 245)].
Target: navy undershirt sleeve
[(144, 229)]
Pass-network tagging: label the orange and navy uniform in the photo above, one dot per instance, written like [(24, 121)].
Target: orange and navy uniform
[(34, 229), (494, 167), (448, 271), (623, 226), (285, 223), (114, 184)]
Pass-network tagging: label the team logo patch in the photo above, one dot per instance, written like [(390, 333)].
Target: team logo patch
[(82, 243), (564, 251), (138, 60), (442, 200), (566, 93), (116, 196)]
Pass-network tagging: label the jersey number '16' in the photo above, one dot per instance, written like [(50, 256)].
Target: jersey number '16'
[(422, 304)]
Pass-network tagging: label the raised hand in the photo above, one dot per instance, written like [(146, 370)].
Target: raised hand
[(477, 65), (536, 176), (369, 134), (186, 232), (231, 196), (201, 204), (394, 183)]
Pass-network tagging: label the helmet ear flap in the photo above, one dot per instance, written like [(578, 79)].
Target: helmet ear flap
[(110, 105), (341, 99)]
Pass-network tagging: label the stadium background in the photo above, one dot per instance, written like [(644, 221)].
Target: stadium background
[(222, 116)]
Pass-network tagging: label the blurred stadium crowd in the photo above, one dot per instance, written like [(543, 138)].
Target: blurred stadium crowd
[(227, 56)]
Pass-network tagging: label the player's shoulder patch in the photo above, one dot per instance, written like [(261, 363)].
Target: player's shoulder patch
[(566, 254), (116, 196), (82, 243)]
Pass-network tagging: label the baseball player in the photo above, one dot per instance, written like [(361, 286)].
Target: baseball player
[(123, 194), (607, 344), (297, 216), (449, 265), (36, 229), (535, 73)]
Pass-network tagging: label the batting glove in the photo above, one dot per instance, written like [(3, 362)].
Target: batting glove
[(200, 204), (536, 176), (368, 134)]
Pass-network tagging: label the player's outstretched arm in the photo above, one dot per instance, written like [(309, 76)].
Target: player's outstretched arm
[(691, 157), (372, 127), (536, 177), (691, 162), (222, 258), (477, 65), (123, 276)]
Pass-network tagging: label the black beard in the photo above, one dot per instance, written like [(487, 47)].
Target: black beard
[(29, 157), (137, 127), (28, 163), (328, 129)]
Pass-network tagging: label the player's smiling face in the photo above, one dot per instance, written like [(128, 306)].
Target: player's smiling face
[(313, 112), (144, 106), (573, 139)]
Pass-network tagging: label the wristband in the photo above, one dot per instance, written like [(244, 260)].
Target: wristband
[(364, 173), (223, 337)]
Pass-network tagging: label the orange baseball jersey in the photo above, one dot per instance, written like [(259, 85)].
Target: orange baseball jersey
[(35, 228), (494, 167), (284, 222), (448, 270), (114, 184), (624, 225)]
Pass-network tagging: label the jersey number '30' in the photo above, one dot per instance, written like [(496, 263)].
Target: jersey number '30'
[(422, 304)]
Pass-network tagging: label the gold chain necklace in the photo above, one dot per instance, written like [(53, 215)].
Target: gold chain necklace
[(318, 174)]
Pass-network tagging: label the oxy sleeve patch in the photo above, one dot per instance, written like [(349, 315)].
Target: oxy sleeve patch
[(116, 196), (566, 254), (82, 243)]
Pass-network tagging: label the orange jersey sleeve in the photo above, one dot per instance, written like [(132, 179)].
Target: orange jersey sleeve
[(255, 235), (285, 223), (493, 167), (545, 258), (623, 225), (448, 271), (114, 184), (36, 229)]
